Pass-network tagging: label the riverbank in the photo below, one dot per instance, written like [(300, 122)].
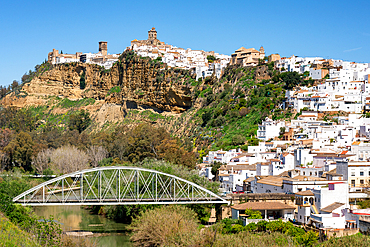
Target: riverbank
[(78, 222)]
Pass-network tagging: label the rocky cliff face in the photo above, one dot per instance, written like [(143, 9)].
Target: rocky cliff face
[(132, 83)]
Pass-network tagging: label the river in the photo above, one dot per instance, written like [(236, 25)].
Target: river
[(75, 218)]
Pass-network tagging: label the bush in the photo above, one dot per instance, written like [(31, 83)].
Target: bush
[(219, 121), (206, 117), (308, 239), (253, 214), (164, 226), (243, 111), (238, 140), (79, 121), (82, 81), (251, 227)]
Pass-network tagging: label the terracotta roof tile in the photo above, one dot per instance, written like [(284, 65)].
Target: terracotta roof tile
[(330, 208), (262, 206), (305, 193)]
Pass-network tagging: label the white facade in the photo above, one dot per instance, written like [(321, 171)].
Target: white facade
[(269, 129), (186, 59)]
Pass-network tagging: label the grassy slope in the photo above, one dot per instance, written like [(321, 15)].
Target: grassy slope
[(11, 235), (235, 105)]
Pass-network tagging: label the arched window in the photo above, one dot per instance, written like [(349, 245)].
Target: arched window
[(311, 201)]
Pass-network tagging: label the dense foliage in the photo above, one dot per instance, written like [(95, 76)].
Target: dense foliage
[(178, 226), (26, 132), (11, 235), (235, 105), (20, 226)]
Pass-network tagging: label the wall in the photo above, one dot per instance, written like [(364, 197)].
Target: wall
[(339, 232), (364, 226), (234, 214)]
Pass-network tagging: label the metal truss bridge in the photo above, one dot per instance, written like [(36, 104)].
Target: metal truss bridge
[(117, 185)]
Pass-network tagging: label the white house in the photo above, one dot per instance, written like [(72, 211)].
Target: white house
[(269, 129)]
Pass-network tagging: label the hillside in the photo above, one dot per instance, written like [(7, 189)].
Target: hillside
[(219, 113), (11, 235)]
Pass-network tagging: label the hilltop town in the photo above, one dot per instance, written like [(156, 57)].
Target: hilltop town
[(203, 63), (287, 137)]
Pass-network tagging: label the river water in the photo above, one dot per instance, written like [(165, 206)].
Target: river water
[(74, 218)]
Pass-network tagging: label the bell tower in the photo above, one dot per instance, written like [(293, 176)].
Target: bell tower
[(103, 47), (262, 50), (152, 34)]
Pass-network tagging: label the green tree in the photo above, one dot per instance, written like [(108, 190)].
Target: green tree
[(253, 141), (291, 79), (79, 121), (20, 151), (211, 58), (216, 165), (308, 239), (14, 85), (253, 214), (206, 117), (238, 140), (82, 81)]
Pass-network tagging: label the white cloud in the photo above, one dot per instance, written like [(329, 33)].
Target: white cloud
[(354, 49)]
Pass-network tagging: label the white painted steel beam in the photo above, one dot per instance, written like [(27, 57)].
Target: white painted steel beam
[(117, 185)]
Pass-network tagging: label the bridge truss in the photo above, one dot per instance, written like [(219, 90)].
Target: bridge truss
[(117, 185)]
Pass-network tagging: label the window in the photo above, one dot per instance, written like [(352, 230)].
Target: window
[(353, 182), (361, 173), (352, 174), (361, 181)]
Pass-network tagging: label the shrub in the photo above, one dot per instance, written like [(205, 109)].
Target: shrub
[(82, 81), (238, 140), (79, 121), (251, 227), (243, 111), (164, 226)]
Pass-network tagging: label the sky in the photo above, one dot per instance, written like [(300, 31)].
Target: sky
[(29, 30)]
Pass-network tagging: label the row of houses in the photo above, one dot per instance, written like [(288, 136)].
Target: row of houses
[(101, 58), (181, 58), (323, 165)]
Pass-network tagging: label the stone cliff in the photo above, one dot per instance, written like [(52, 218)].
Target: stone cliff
[(132, 83)]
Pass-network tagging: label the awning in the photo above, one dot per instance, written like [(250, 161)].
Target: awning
[(317, 221)]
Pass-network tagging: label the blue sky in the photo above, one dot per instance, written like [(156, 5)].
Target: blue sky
[(330, 29)]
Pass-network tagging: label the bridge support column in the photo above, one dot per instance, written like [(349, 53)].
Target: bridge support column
[(99, 186), (118, 186), (81, 187), (63, 190), (137, 185), (156, 185)]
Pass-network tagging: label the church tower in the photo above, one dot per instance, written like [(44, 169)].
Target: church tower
[(103, 47), (262, 51), (152, 34)]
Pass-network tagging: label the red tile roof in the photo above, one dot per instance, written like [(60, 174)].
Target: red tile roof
[(262, 206)]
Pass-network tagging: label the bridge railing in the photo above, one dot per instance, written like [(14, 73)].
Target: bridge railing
[(117, 185)]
